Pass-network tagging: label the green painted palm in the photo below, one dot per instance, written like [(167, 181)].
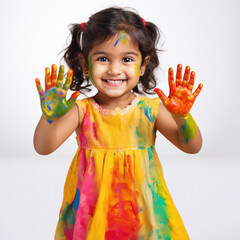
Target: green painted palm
[(53, 100)]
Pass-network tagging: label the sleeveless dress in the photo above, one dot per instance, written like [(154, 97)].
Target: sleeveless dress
[(115, 189)]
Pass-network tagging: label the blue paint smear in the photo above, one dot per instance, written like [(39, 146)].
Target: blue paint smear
[(54, 90), (49, 108), (68, 215), (116, 42), (147, 110), (184, 125), (76, 200), (147, 113)]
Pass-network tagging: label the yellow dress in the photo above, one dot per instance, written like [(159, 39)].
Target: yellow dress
[(115, 189)]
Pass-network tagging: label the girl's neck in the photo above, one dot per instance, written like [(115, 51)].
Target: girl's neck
[(111, 103)]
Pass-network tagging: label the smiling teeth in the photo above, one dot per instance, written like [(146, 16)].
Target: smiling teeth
[(114, 82)]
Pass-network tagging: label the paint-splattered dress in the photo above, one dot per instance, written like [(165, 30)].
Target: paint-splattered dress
[(115, 188)]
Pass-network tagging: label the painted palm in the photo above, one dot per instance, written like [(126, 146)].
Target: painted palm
[(181, 98), (53, 100)]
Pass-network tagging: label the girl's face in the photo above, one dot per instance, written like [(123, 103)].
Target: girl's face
[(115, 66)]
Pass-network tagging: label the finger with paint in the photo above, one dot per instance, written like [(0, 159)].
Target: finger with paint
[(53, 99), (54, 75), (60, 76)]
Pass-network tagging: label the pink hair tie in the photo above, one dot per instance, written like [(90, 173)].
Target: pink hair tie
[(144, 23), (82, 25)]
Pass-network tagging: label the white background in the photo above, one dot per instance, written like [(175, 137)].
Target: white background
[(205, 187)]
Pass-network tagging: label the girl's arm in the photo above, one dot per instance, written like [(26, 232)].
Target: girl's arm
[(60, 117), (169, 126), (48, 137), (174, 120)]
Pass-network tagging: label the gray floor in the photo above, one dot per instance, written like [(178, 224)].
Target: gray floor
[(205, 191)]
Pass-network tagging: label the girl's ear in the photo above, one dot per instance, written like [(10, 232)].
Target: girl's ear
[(144, 65), (84, 65)]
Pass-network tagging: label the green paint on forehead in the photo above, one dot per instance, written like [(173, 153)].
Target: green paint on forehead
[(123, 38)]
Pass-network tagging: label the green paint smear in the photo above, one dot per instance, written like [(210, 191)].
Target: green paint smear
[(141, 138), (54, 104), (188, 130), (91, 73), (159, 204), (68, 215), (123, 37), (147, 110)]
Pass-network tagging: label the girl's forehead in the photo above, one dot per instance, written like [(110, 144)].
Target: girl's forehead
[(121, 39)]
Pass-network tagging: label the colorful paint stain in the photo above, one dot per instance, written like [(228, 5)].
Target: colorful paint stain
[(147, 111), (140, 56), (60, 76), (188, 130), (159, 203), (122, 192), (91, 72), (123, 38), (141, 138), (54, 75), (66, 222), (87, 201), (123, 204), (53, 100), (137, 69)]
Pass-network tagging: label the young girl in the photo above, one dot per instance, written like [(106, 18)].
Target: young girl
[(115, 187)]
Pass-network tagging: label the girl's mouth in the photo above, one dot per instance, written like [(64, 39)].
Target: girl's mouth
[(114, 83)]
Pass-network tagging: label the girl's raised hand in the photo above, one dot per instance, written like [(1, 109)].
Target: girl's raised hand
[(181, 98), (53, 99)]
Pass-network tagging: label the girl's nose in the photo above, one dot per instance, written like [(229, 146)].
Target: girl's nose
[(115, 68)]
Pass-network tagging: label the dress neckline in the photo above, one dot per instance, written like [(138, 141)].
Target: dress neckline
[(115, 111)]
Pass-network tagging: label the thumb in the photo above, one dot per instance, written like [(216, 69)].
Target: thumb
[(161, 95), (73, 98)]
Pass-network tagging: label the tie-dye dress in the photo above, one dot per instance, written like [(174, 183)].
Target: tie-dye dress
[(115, 189)]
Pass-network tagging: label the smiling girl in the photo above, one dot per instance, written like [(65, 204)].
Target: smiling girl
[(115, 187)]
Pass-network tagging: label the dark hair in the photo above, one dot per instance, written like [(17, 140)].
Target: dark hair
[(100, 27)]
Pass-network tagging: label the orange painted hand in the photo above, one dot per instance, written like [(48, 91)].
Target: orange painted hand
[(181, 98), (53, 100)]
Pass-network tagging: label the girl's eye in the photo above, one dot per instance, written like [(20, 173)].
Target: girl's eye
[(127, 59), (103, 59)]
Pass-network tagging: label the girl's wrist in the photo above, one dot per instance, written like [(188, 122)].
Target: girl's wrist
[(49, 119), (187, 128)]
